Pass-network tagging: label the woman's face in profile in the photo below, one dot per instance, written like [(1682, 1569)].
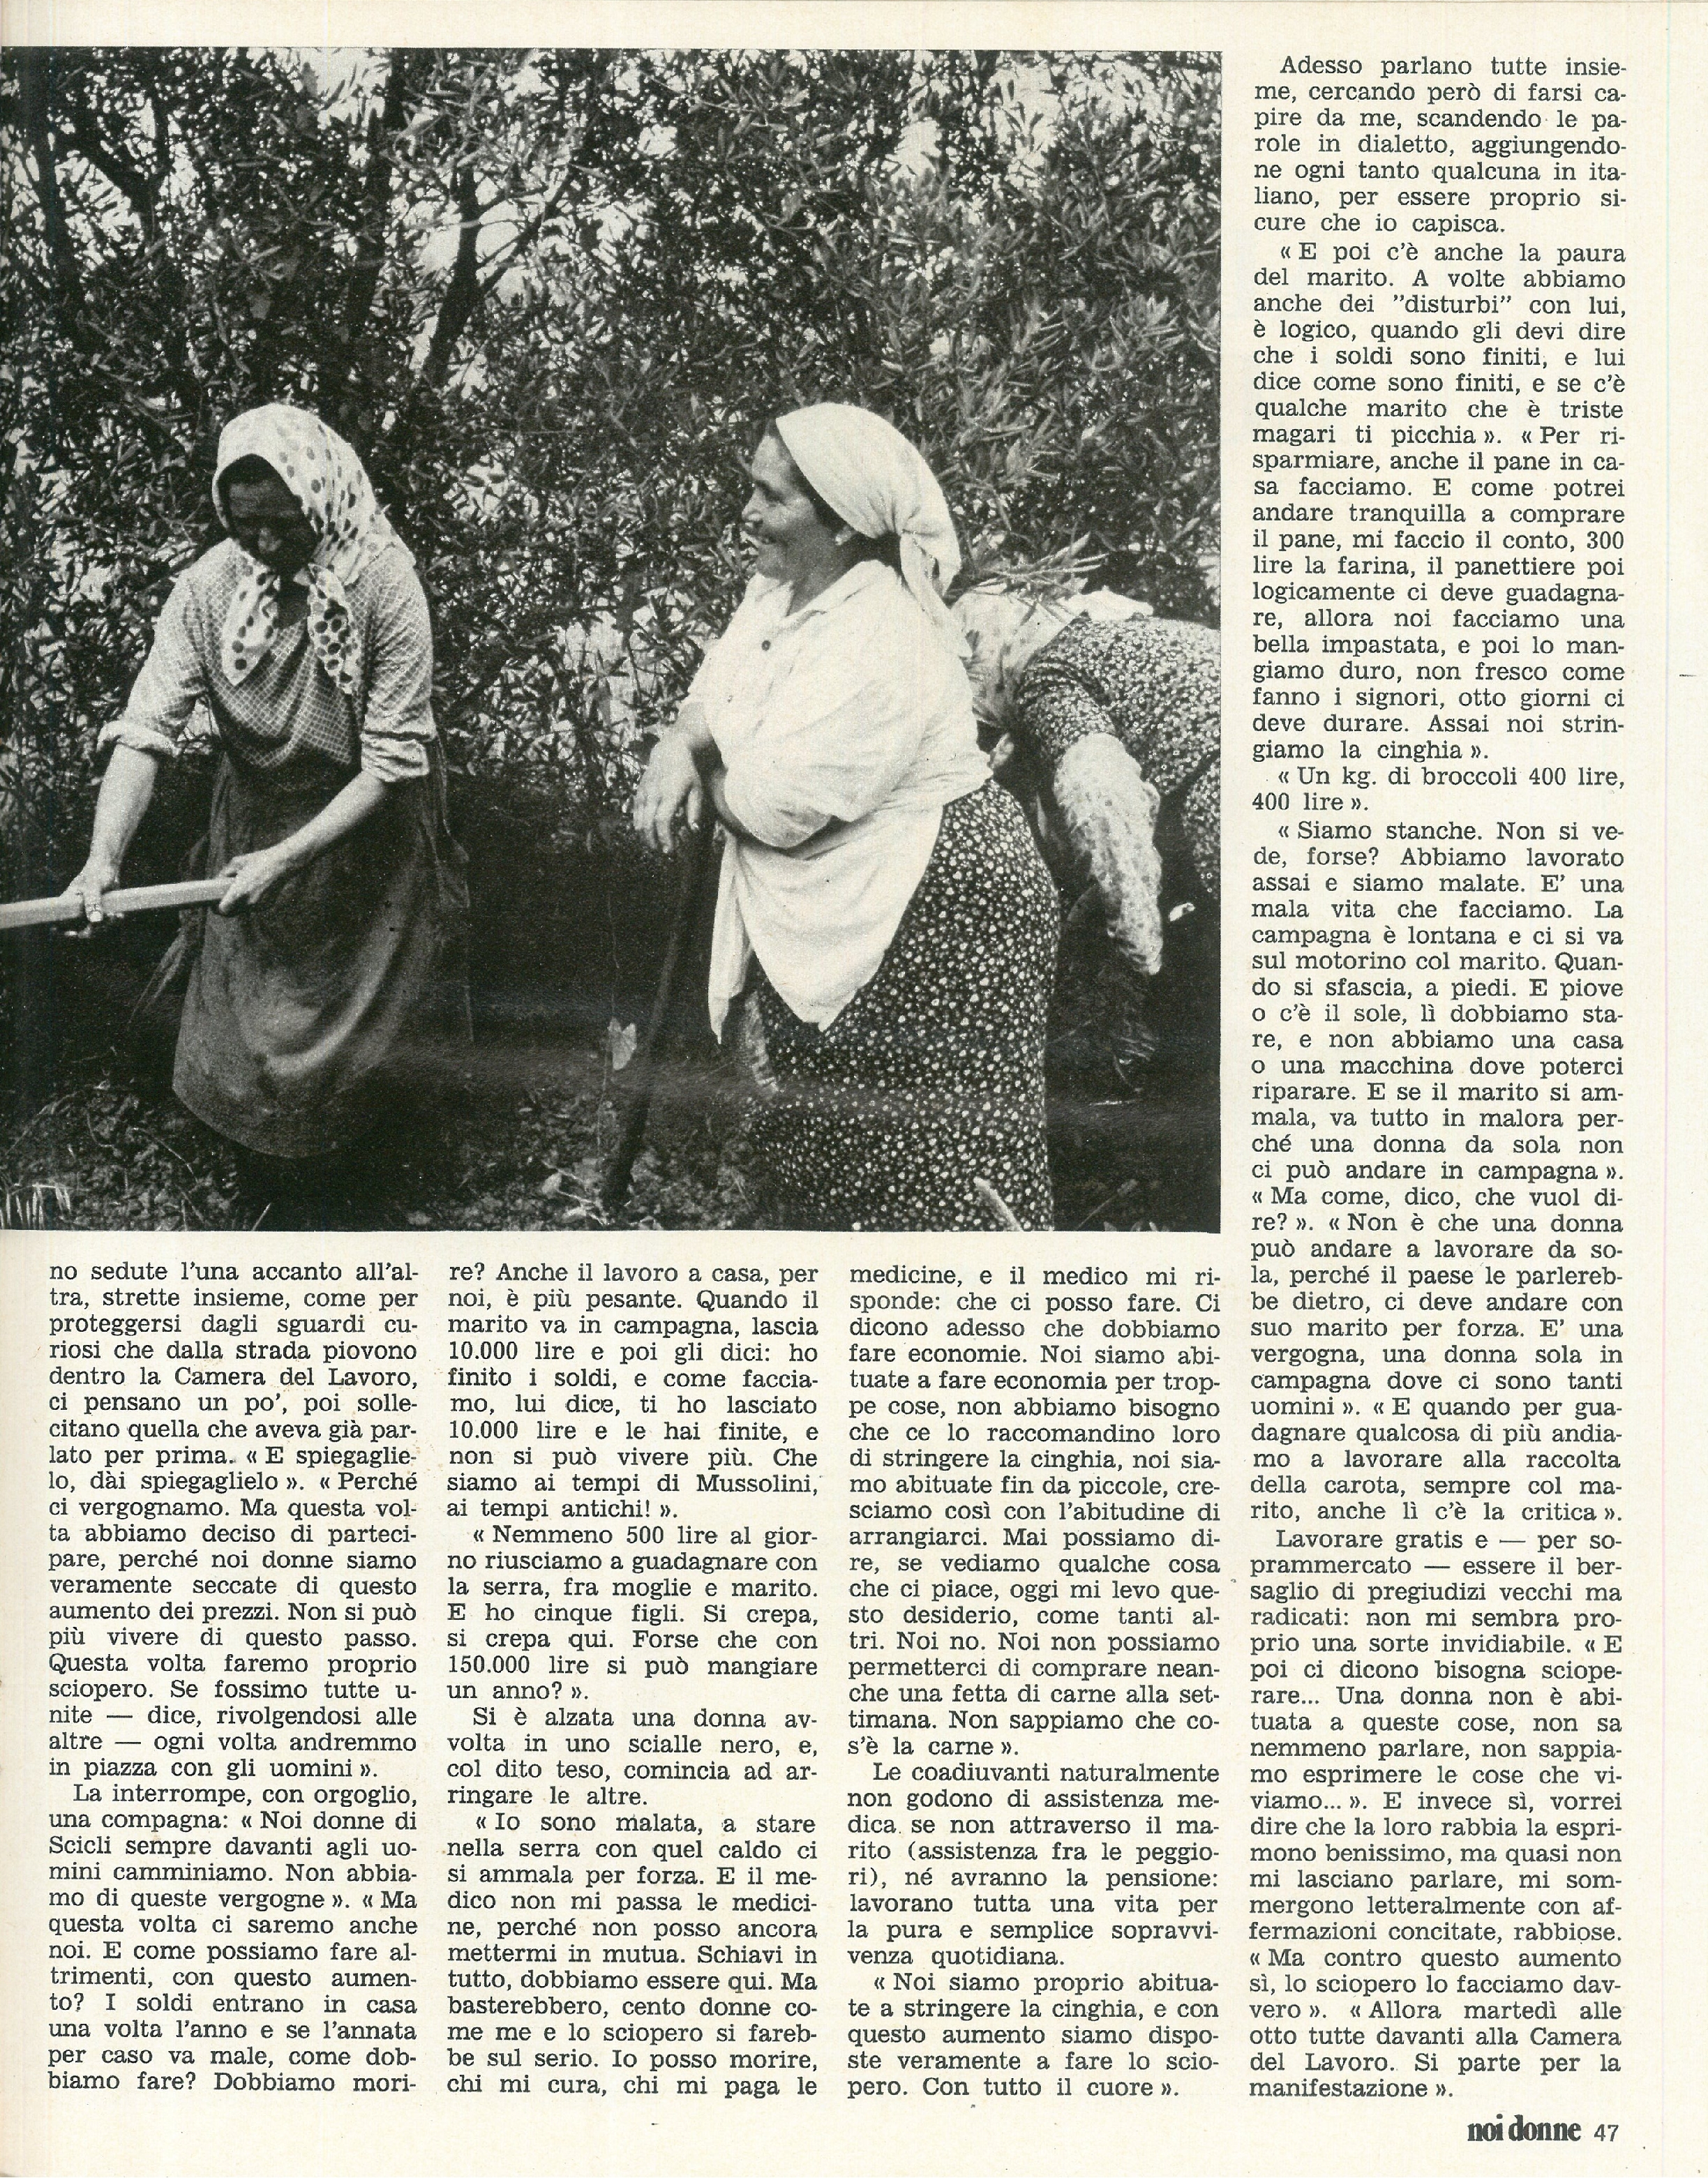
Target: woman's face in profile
[(792, 543)]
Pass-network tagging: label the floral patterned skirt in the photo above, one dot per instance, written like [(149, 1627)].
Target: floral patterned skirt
[(932, 1076)]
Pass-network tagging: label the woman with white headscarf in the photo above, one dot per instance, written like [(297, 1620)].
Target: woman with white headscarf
[(881, 904), (334, 958)]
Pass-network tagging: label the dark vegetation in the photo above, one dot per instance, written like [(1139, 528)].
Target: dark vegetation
[(552, 298)]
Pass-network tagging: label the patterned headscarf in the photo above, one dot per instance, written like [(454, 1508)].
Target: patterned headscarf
[(324, 474), (1004, 629), (881, 486)]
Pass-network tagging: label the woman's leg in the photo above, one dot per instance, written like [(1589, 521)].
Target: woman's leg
[(342, 1190)]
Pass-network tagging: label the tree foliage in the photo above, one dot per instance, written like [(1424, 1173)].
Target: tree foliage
[(552, 298)]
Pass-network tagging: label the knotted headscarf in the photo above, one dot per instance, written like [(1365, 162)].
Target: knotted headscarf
[(882, 486), (325, 475), (1004, 629)]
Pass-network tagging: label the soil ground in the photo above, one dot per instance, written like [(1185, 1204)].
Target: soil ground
[(520, 1145), (94, 1139)]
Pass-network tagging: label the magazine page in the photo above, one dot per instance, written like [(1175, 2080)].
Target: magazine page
[(847, 944)]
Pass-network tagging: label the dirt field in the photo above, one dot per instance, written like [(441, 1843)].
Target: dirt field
[(520, 1147)]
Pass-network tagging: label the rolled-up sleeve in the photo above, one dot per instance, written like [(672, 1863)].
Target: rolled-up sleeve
[(397, 724), (168, 688)]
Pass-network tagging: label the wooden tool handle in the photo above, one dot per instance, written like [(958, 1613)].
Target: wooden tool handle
[(634, 1099), (127, 899)]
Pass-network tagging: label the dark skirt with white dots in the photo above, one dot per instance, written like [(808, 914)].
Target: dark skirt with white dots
[(932, 1077)]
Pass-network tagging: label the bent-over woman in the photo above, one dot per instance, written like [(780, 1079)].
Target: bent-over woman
[(334, 960), (1108, 722), (880, 900)]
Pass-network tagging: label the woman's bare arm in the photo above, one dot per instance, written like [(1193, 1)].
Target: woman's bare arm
[(125, 793), (251, 877)]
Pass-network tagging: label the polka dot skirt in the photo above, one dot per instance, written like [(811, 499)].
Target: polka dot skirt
[(932, 1075)]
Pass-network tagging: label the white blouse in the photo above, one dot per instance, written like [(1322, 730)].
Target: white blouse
[(845, 728)]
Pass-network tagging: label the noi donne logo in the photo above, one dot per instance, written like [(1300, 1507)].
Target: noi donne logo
[(1524, 2128)]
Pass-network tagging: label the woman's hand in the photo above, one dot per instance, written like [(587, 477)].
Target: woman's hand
[(671, 795), (97, 877), (118, 810), (251, 880), (1000, 754)]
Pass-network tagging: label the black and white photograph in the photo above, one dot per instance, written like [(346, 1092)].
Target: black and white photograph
[(605, 638)]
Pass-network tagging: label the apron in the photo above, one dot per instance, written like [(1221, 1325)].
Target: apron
[(303, 1017)]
